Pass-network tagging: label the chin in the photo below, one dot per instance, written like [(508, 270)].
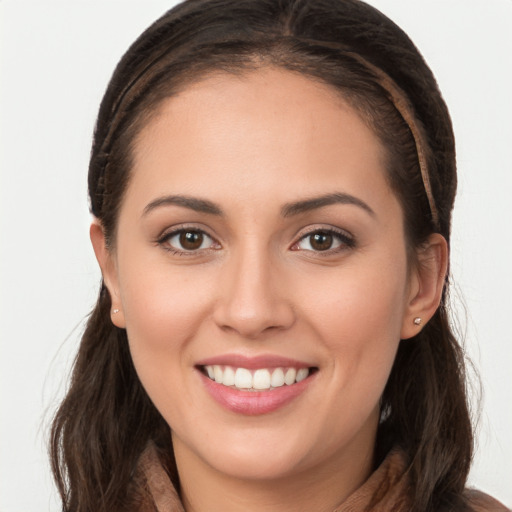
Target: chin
[(259, 465), (252, 454)]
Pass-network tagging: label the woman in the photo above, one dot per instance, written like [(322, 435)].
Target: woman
[(272, 185)]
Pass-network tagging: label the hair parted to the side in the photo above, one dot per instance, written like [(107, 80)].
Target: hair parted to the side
[(106, 419)]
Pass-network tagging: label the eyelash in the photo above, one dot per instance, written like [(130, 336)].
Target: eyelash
[(346, 241), (164, 241)]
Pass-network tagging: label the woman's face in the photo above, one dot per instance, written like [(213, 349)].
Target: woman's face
[(259, 246)]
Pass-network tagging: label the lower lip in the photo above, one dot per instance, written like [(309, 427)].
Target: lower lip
[(252, 403)]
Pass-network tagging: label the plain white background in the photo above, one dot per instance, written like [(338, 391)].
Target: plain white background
[(56, 59)]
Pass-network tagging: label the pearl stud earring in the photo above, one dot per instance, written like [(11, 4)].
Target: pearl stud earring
[(115, 311), (417, 321)]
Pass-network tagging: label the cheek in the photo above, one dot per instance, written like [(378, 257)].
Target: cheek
[(358, 315), (164, 310), (164, 307), (366, 300)]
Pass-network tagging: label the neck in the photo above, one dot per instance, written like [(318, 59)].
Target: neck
[(204, 489)]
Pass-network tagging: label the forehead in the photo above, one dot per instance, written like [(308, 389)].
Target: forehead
[(261, 132)]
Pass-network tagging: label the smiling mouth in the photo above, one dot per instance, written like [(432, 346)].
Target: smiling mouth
[(261, 379)]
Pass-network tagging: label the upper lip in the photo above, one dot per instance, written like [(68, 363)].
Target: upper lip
[(253, 362)]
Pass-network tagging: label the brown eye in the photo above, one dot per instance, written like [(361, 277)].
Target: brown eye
[(321, 241), (191, 240), (188, 240)]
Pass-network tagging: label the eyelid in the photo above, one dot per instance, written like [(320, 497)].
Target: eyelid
[(169, 233), (347, 239)]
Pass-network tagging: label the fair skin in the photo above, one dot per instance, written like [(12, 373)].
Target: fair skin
[(264, 275)]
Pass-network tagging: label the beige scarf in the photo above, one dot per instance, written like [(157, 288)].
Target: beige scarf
[(384, 491)]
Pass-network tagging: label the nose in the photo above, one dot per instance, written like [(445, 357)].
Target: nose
[(253, 297)]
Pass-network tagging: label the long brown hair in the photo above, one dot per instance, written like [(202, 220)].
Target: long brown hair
[(106, 419)]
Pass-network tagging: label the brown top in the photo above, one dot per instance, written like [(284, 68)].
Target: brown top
[(384, 491)]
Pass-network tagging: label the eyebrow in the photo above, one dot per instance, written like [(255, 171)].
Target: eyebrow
[(306, 205), (193, 203), (288, 210)]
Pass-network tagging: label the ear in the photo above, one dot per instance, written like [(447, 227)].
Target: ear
[(106, 260), (426, 285)]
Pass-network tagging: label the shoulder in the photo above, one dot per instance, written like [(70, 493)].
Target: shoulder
[(481, 502)]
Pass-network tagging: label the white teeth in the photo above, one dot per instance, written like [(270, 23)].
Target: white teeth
[(217, 374), (259, 379), (302, 374), (243, 378), (229, 376), (277, 379), (289, 376)]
